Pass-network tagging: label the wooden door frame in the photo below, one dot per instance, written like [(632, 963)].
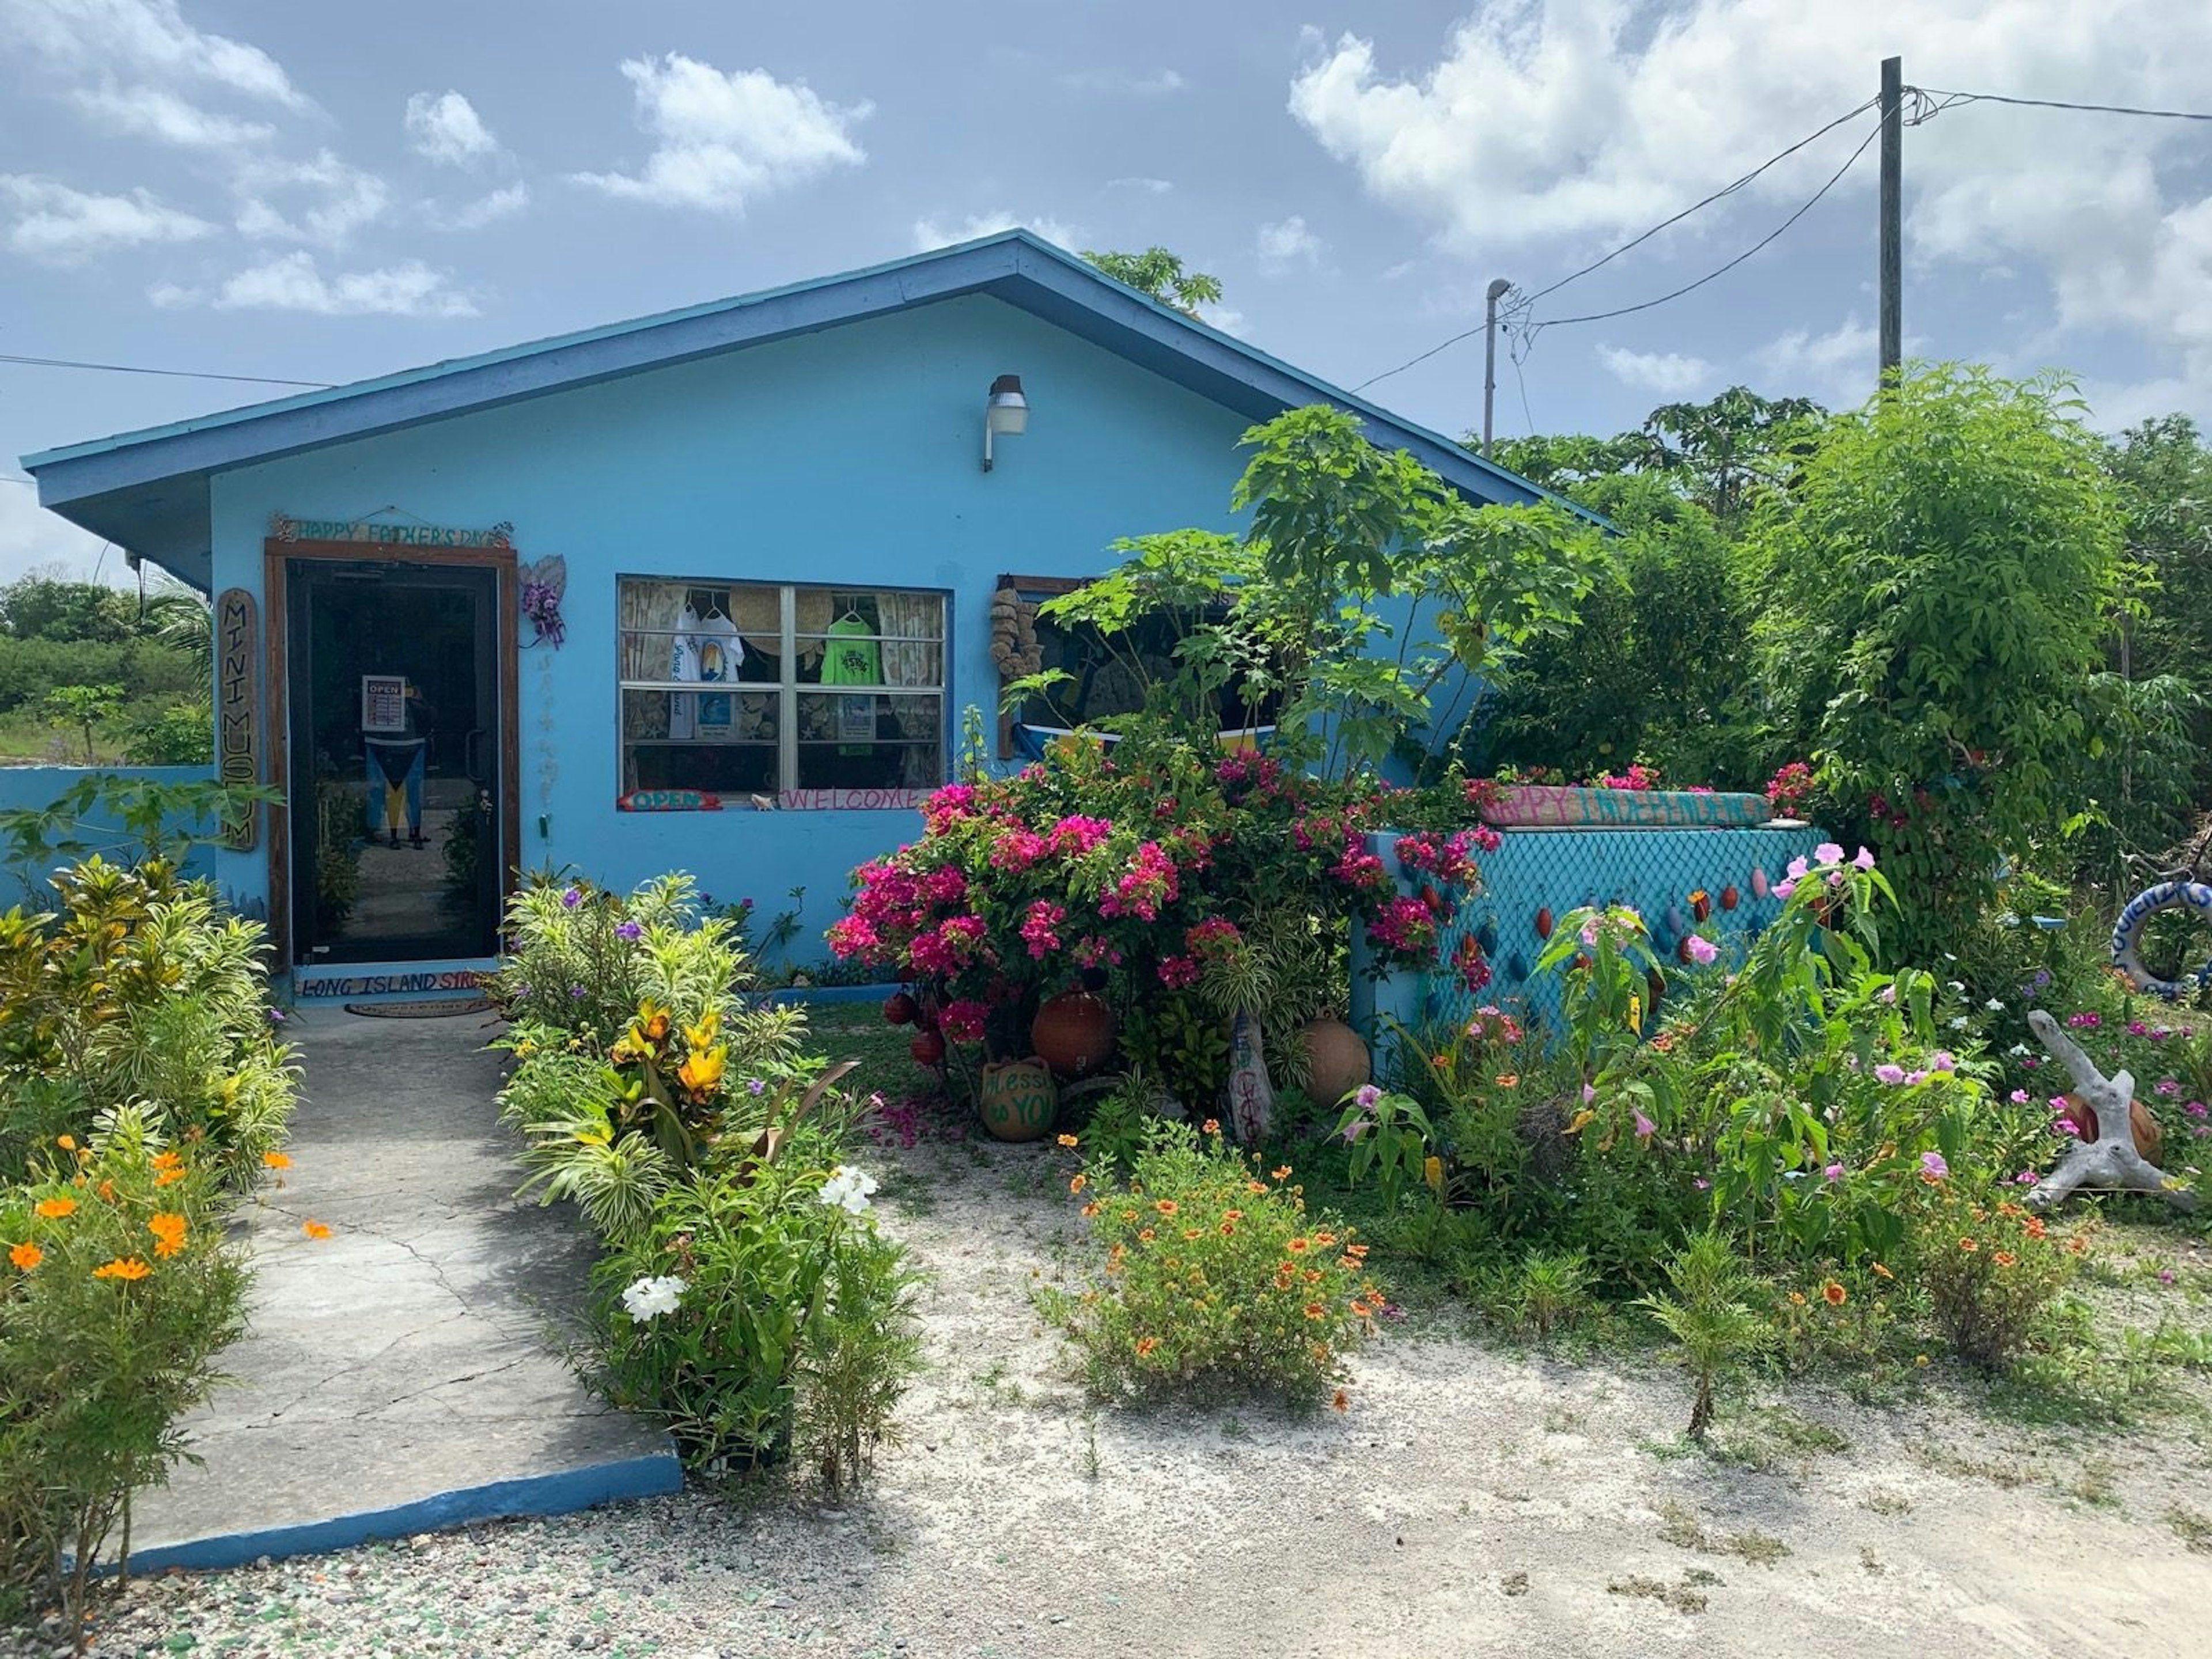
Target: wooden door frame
[(276, 612)]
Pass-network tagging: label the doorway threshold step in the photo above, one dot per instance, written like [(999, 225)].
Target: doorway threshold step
[(371, 981)]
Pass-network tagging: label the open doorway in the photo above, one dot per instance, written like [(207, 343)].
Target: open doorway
[(395, 762)]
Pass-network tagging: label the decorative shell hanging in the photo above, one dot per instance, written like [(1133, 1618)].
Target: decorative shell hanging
[(1014, 648)]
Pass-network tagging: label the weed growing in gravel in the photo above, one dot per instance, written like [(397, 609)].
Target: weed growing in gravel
[(1214, 1276)]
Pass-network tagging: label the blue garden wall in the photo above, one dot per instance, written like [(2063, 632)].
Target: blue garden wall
[(850, 456), (36, 788), (1653, 870)]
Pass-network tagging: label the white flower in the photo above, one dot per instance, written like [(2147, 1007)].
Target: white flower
[(1959, 1022), (652, 1297), (2019, 1050), (1957, 986), (849, 1190), (1994, 1006)]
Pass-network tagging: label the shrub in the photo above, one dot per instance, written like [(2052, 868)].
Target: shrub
[(1707, 1310), (1990, 1271), (1214, 1276)]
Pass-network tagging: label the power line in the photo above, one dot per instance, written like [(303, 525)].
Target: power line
[(1834, 179), (174, 374), (1959, 98), (1522, 303)]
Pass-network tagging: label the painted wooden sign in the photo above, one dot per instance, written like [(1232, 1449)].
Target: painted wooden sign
[(238, 706), (851, 800), (668, 800), (284, 528)]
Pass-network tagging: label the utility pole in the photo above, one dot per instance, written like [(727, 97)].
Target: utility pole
[(1498, 287), (1892, 190)]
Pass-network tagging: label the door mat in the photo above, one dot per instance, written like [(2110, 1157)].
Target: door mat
[(422, 1008)]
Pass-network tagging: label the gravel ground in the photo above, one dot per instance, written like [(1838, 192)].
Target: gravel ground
[(1470, 1503)]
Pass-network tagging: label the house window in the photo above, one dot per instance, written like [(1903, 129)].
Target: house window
[(744, 689)]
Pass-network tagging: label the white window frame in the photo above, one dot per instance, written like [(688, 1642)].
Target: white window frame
[(787, 687)]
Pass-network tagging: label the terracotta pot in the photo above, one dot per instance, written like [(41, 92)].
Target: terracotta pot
[(1544, 924), (1337, 1061), (1729, 898), (1700, 906), (927, 1049), (900, 1009), (2149, 1139), (1017, 1100), (1759, 884), (1073, 1033)]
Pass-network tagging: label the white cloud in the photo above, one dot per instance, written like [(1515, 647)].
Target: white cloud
[(1227, 319), (32, 538), (724, 141), (501, 204), (934, 233), (64, 226), (1837, 367), (1150, 186), (1667, 373), (148, 38), (1289, 240), (1586, 119), (294, 282), (447, 130), (142, 112), (338, 200), (1128, 84)]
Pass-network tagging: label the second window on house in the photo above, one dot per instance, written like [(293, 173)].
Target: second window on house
[(739, 688)]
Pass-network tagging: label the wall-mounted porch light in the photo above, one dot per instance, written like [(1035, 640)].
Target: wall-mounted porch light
[(1007, 412)]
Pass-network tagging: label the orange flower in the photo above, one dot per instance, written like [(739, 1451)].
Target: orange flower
[(27, 1257), (1324, 1239), (1166, 1206), (1076, 1183), (1282, 1172), (1509, 1079), (1835, 1294), (106, 1191), (2034, 1226), (169, 1160), (275, 1160), (1145, 1344), (1067, 1141), (1227, 1226), (1883, 1271), (2076, 1245), (1255, 1186), (1091, 1209), (169, 1177), (1189, 1233), (1797, 1298), (1342, 1402), (123, 1268), (2004, 1258), (315, 1229), (1128, 1215), (1232, 1215), (1315, 1311), (1297, 1245), (1212, 1126), (1145, 1236), (55, 1208), (1968, 1245), (67, 1143), (168, 1229)]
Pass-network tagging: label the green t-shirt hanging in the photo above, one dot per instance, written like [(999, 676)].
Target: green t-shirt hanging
[(851, 657)]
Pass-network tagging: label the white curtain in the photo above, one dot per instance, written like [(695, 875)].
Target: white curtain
[(916, 659)]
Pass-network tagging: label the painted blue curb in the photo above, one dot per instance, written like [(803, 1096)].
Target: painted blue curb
[(571, 1490)]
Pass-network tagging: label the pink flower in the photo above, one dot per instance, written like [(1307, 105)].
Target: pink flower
[(2195, 1109), (1703, 950), (1933, 1166), (1943, 1060), (1644, 1126), (1863, 859), (963, 1021), (2019, 1097), (1041, 930), (1914, 1079), (1782, 889), (2066, 1126), (2137, 1028), (1828, 853), (1889, 1073), (2166, 1085), (1835, 1172), (1589, 1094), (1179, 973), (1797, 866), (2028, 1178)]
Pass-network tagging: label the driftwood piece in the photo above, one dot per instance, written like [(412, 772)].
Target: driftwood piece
[(2110, 1161)]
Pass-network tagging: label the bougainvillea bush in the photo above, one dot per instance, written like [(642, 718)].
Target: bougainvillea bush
[(1154, 870)]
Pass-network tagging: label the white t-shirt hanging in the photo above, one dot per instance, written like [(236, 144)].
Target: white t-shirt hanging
[(683, 664), (720, 651)]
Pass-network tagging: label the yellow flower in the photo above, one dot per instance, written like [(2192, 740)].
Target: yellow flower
[(27, 1257), (53, 1209), (169, 1229), (701, 1073), (1432, 1171), (276, 1160), (125, 1267), (315, 1229), (1067, 1141), (1883, 1271), (67, 1143), (1797, 1298), (701, 1036), (1076, 1183)]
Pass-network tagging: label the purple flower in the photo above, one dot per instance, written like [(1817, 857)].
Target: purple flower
[(1357, 1127), (1933, 1166), (2195, 1109), (1887, 995), (1784, 889), (2137, 1028), (756, 1086), (1864, 860), (2166, 1275), (1367, 1096), (629, 930), (1835, 1172), (1703, 950), (2027, 1177), (577, 993), (1589, 1096), (2018, 1097), (1944, 1060), (1890, 1074), (2166, 1085), (571, 898), (1644, 1126), (1589, 933), (1914, 1079), (277, 1016)]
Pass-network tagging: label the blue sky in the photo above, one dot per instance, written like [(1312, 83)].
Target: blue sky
[(327, 193)]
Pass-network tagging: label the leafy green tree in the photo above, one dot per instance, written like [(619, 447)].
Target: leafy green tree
[(1941, 591), (82, 710), (1725, 454), (45, 606), (1160, 274)]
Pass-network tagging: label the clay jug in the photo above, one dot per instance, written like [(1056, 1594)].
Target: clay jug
[(1017, 1100), (1337, 1061), (1073, 1033)]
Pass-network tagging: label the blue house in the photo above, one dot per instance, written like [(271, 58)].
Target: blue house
[(710, 590)]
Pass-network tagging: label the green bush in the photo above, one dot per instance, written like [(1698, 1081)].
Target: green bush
[(1990, 1271), (1213, 1278)]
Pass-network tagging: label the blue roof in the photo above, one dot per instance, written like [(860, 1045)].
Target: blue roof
[(147, 490)]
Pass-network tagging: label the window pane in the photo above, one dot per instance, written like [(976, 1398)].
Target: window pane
[(720, 741), (863, 740)]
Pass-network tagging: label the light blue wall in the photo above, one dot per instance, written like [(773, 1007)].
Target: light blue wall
[(37, 788), (851, 456)]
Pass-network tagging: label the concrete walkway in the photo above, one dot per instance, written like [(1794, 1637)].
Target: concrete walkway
[(404, 1373)]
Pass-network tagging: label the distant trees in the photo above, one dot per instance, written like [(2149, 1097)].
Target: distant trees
[(87, 673)]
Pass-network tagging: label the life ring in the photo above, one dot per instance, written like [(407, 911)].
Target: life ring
[(2127, 933)]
